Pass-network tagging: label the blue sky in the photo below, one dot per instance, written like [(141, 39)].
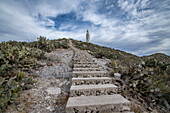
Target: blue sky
[(141, 27)]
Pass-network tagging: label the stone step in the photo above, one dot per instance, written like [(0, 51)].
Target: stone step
[(89, 74), (85, 57), (98, 104), (93, 90), (86, 63), (123, 112), (86, 66), (83, 60), (91, 80), (83, 54), (86, 69)]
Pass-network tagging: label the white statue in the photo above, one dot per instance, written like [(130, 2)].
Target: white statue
[(87, 36)]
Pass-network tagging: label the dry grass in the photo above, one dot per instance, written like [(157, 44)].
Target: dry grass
[(52, 57), (136, 108)]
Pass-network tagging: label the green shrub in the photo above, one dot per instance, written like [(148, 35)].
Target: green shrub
[(9, 90), (64, 45)]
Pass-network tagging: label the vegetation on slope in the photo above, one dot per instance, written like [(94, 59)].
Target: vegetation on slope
[(146, 78), (17, 58), (99, 52)]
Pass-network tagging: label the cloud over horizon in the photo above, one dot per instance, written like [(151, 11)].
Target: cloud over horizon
[(141, 27)]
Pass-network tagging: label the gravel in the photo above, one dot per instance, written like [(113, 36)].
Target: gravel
[(46, 96)]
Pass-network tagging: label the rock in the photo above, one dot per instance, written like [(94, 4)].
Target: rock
[(117, 75), (143, 63), (47, 97), (57, 71), (151, 90), (43, 63), (62, 83), (28, 86), (49, 108), (67, 86), (166, 104), (54, 90), (125, 108), (157, 89)]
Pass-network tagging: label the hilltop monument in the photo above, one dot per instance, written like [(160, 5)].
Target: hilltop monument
[(87, 36)]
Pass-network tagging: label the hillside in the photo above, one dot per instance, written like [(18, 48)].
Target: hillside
[(144, 80), (159, 56)]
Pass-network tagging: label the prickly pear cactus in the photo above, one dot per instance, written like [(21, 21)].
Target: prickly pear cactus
[(13, 57)]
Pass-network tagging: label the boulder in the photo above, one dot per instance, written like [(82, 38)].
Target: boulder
[(117, 75)]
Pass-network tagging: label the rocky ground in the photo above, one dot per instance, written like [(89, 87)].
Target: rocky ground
[(57, 64), (103, 63), (46, 96), (50, 92)]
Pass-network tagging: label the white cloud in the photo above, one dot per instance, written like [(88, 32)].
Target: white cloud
[(53, 7), (132, 26), (163, 47), (23, 26)]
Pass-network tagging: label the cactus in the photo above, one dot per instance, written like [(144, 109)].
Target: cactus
[(14, 57), (50, 45), (8, 92)]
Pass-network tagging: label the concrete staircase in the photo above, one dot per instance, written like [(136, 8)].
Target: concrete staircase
[(92, 91)]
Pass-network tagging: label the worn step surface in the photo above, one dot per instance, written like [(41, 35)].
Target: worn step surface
[(83, 60), (101, 104), (91, 80), (93, 90), (86, 63), (86, 69), (86, 66), (89, 73)]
